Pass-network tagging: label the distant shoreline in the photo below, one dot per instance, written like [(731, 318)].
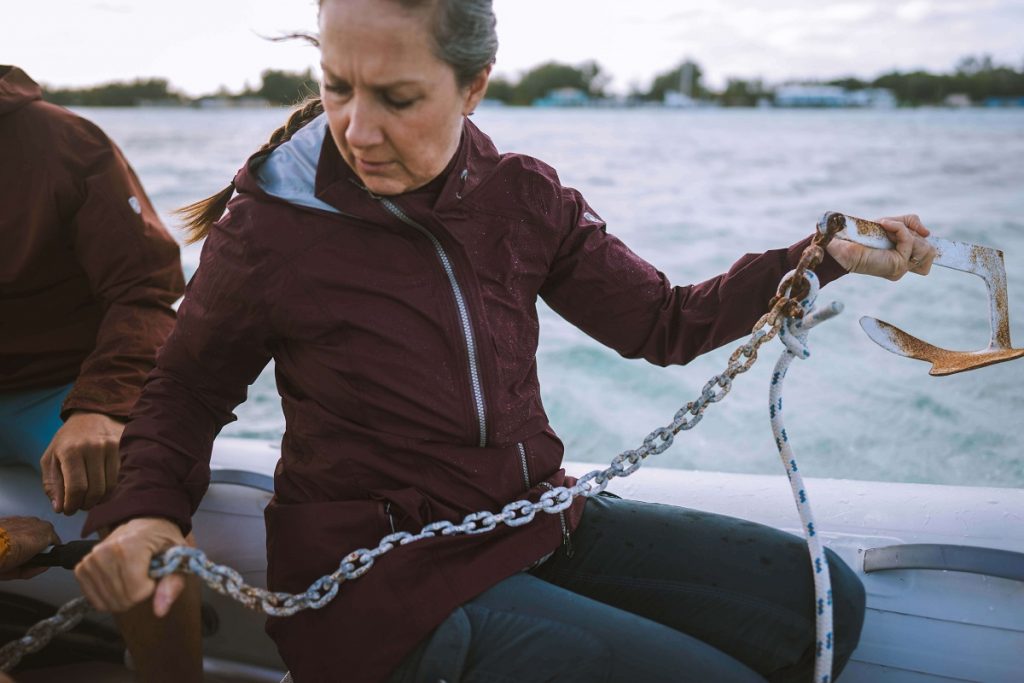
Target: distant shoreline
[(976, 82)]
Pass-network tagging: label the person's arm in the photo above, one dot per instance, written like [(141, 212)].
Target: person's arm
[(599, 285), (135, 275), (221, 342), (21, 539)]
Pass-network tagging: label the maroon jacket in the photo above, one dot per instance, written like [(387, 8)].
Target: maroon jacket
[(404, 341), (87, 272)]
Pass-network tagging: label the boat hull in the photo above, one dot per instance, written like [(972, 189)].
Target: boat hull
[(922, 625)]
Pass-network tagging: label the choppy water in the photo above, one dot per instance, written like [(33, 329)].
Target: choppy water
[(693, 190)]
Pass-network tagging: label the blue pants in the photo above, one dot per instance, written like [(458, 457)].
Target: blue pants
[(28, 421), (653, 593)]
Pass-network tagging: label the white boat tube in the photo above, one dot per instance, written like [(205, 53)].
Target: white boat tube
[(925, 624)]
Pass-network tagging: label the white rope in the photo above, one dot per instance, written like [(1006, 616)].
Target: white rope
[(794, 335)]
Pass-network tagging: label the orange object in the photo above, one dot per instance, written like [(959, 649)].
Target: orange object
[(5, 543)]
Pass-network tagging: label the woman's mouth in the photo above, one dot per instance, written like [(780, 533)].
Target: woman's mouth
[(367, 166)]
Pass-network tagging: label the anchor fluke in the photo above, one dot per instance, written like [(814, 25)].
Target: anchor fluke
[(944, 362)]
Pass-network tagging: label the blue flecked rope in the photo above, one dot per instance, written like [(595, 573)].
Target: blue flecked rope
[(793, 335)]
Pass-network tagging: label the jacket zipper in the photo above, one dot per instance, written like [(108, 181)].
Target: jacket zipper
[(522, 460), (460, 303), (566, 538)]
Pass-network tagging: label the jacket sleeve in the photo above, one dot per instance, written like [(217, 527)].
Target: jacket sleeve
[(134, 272), (221, 342), (598, 284)]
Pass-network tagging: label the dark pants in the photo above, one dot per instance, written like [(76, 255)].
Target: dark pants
[(652, 593)]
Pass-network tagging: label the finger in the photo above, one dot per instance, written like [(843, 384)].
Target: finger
[(96, 486), (135, 585), (167, 592), (76, 482), (53, 480), (923, 256), (106, 584), (84, 573), (912, 221), (904, 246)]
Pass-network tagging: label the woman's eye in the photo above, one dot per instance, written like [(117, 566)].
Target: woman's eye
[(398, 103), (338, 88)]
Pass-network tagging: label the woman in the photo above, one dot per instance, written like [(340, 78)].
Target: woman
[(389, 260)]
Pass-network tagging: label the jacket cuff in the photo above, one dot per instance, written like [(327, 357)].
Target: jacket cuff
[(167, 504), (86, 397)]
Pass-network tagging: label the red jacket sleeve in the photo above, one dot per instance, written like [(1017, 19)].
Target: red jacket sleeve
[(134, 271), (598, 284), (220, 344)]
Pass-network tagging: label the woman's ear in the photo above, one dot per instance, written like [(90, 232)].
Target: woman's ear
[(476, 91)]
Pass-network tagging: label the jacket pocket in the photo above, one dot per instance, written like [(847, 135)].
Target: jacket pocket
[(307, 540)]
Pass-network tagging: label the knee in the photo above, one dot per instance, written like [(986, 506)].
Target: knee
[(848, 603)]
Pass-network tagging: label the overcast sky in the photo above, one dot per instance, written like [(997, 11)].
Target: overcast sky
[(200, 45)]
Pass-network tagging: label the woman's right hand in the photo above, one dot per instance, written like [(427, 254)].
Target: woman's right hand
[(115, 576)]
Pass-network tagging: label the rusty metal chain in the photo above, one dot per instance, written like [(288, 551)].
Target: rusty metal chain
[(37, 637)]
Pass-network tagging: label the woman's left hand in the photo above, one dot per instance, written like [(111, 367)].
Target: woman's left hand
[(912, 252)]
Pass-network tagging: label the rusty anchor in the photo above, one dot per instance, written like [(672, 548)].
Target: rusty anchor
[(985, 262)]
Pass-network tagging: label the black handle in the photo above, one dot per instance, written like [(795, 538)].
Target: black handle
[(66, 556)]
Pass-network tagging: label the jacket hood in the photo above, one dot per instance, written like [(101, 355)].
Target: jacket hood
[(308, 170), (16, 89), (289, 172)]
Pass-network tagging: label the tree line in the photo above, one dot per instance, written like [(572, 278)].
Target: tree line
[(977, 77), (276, 87)]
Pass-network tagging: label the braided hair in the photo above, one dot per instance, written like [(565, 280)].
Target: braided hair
[(200, 216)]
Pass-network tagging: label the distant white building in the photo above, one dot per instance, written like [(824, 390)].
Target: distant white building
[(876, 98), (957, 100), (832, 96), (563, 97), (810, 96), (682, 98), (678, 100), (224, 102)]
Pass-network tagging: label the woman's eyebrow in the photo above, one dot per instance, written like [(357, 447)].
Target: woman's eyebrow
[(376, 86)]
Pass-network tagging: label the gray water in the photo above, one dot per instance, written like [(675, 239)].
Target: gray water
[(692, 191)]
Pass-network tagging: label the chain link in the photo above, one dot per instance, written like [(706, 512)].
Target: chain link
[(37, 637), (227, 581)]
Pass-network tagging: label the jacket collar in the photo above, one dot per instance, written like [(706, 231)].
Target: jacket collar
[(16, 89), (475, 159), (308, 170)]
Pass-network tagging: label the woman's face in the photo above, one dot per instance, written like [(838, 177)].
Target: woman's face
[(394, 109)]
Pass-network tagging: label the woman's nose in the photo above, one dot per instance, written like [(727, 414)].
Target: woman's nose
[(364, 125)]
